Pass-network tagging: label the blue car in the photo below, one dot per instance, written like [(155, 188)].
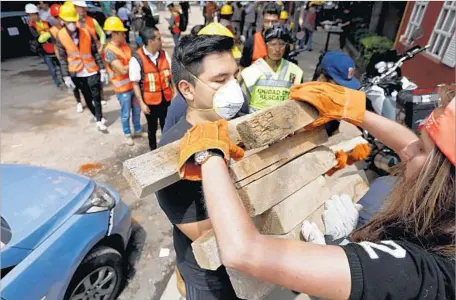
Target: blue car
[(62, 235)]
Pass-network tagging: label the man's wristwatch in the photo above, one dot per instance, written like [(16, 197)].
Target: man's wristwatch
[(203, 156)]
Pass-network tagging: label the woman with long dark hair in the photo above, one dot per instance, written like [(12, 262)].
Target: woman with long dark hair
[(405, 252)]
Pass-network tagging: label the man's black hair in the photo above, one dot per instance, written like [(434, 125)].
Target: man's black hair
[(187, 58), (148, 34), (272, 9)]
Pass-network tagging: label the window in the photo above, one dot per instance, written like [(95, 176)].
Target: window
[(415, 19), (443, 30)]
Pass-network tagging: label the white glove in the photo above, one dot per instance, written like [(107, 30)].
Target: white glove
[(312, 234), (340, 216), (104, 77), (68, 82)]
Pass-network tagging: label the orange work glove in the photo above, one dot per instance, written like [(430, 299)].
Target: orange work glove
[(333, 102), (201, 137), (360, 152)]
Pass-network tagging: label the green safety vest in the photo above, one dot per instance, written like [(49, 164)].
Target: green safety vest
[(264, 87)]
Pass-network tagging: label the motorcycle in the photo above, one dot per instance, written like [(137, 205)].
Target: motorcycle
[(395, 97), (383, 82)]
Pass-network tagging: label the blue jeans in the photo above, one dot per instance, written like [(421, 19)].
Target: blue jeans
[(128, 103), (176, 39), (52, 68), (307, 40), (372, 202)]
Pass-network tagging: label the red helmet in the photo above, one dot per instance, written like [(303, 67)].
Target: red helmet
[(55, 10)]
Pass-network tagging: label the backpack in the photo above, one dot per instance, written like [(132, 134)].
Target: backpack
[(183, 22)]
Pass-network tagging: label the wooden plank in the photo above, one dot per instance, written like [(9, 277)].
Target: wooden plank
[(275, 122), (286, 215), (264, 162), (152, 171), (273, 188)]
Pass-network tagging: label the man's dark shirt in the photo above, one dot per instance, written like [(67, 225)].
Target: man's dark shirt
[(183, 202), (176, 111)]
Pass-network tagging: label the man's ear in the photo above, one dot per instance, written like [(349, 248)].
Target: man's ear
[(187, 90)]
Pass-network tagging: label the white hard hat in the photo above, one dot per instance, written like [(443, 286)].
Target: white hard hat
[(31, 9), (80, 3)]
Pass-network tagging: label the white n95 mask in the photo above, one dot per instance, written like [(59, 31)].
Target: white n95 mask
[(228, 100)]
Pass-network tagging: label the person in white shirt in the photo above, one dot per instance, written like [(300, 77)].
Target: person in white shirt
[(150, 73)]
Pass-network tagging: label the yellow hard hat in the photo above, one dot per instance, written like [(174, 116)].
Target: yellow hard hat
[(312, 3), (215, 29), (114, 24), (68, 12), (219, 29), (283, 15), (279, 3), (236, 52), (226, 10)]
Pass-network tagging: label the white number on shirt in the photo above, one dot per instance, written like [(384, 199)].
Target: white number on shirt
[(395, 250)]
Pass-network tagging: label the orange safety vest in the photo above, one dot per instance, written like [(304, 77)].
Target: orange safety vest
[(156, 79), (78, 57), (40, 27), (90, 26), (259, 47), (120, 82), (54, 31)]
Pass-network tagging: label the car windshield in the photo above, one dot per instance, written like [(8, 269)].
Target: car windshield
[(5, 234)]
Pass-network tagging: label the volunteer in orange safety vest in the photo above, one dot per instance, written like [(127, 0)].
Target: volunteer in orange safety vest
[(95, 31), (54, 11), (42, 44), (255, 47), (150, 73), (80, 62), (117, 55)]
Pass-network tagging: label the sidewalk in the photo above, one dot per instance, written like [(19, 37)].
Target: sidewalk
[(308, 60)]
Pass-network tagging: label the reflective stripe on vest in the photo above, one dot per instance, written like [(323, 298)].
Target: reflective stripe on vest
[(270, 79), (120, 82), (156, 78), (259, 47), (267, 88), (54, 31), (78, 57), (42, 27)]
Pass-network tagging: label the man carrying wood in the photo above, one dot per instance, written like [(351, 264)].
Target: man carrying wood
[(204, 72)]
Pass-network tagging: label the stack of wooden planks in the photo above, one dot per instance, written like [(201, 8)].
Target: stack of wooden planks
[(281, 180)]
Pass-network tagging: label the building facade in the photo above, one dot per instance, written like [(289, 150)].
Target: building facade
[(432, 23)]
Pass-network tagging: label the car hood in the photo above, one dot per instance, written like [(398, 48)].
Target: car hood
[(36, 201)]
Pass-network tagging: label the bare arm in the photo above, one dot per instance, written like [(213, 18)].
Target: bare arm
[(119, 67), (137, 91), (196, 229), (313, 269), (392, 134)]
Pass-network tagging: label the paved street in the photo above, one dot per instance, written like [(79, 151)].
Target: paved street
[(40, 126)]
